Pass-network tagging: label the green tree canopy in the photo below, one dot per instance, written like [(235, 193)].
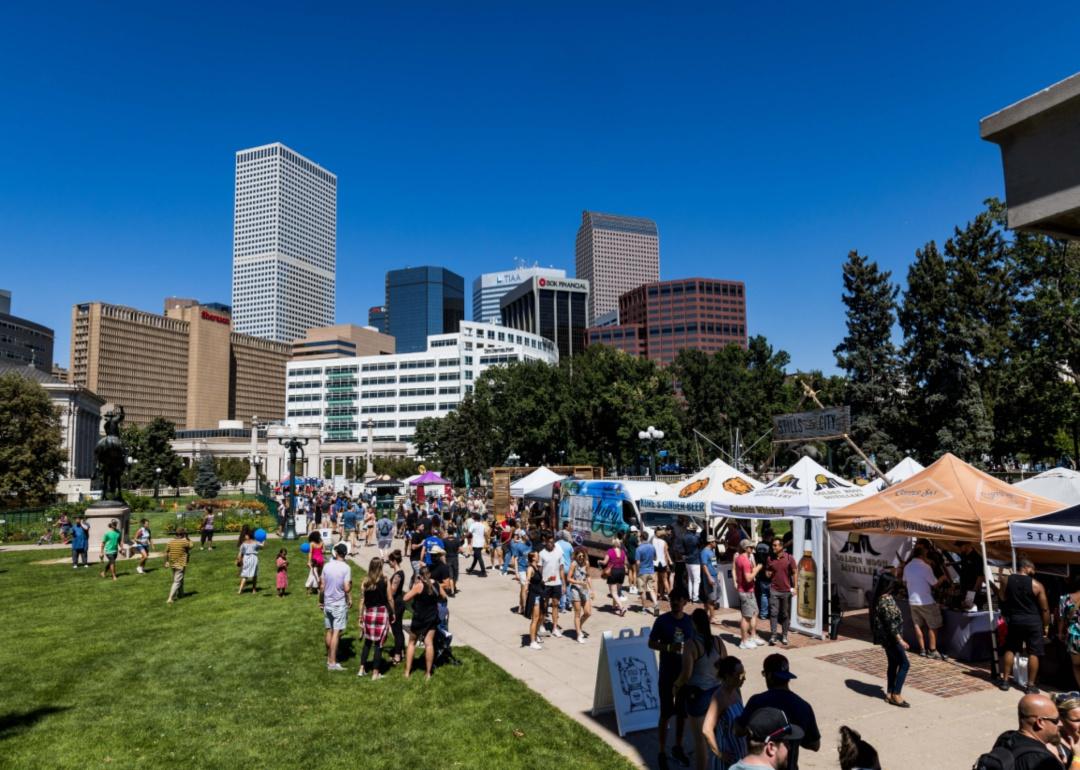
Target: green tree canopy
[(31, 453)]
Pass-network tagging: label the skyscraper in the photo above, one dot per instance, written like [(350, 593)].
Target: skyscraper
[(615, 254), (376, 318), (554, 308), (489, 288), (284, 244), (421, 301)]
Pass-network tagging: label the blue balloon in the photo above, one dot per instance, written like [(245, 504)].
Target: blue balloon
[(260, 534), (305, 547)]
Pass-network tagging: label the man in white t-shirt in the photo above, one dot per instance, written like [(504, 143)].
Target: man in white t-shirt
[(335, 599), (662, 563), (478, 538), (554, 575), (920, 581)]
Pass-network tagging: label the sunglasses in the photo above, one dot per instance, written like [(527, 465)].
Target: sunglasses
[(1055, 720)]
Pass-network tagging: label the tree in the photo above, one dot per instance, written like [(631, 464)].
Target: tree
[(206, 480), (870, 360), (151, 446), (31, 450), (394, 467)]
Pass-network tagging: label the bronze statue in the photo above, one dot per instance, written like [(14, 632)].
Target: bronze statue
[(111, 456)]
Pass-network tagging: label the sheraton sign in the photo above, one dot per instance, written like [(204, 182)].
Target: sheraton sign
[(208, 316)]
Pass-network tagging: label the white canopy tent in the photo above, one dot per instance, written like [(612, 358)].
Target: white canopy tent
[(1061, 484), (537, 484), (903, 470), (716, 482)]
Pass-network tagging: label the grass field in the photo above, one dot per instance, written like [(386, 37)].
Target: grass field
[(104, 674)]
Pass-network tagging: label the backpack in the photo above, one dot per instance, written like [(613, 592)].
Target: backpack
[(385, 527), (1003, 756)]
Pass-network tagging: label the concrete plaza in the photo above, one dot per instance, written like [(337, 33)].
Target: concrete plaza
[(955, 713)]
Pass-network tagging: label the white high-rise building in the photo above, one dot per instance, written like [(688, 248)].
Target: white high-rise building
[(490, 288), (284, 244)]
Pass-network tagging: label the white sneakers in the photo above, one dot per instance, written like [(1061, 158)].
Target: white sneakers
[(557, 632), (751, 644), (633, 589), (536, 646), (334, 667), (581, 639)]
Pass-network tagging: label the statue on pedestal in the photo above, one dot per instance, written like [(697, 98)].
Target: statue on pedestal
[(111, 456)]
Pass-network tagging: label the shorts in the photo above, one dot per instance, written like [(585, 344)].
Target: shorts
[(748, 604), (531, 600), (522, 577), (928, 615), (646, 583), (616, 577), (579, 595), (661, 569), (695, 700), (111, 557), (142, 548), (336, 616), (385, 544), (1024, 631), (553, 591)]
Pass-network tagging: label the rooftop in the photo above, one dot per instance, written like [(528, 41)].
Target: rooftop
[(619, 223)]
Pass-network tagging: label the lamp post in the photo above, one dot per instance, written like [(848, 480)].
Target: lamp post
[(157, 482), (651, 435), (294, 445)]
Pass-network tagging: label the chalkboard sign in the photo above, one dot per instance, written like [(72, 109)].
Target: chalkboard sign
[(626, 681)]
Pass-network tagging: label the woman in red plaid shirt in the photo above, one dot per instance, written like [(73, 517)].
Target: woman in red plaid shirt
[(376, 615)]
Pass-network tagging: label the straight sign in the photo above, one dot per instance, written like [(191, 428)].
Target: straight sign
[(833, 422)]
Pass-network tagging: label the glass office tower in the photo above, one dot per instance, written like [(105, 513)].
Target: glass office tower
[(421, 301)]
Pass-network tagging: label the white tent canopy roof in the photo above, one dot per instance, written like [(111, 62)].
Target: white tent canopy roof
[(903, 470), (536, 484), (717, 481), (804, 489), (1061, 484)]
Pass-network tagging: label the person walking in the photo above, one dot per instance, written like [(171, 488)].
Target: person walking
[(781, 571), (110, 549), (397, 597), (698, 680), (920, 581), (316, 561), (745, 577), (720, 727), (335, 599), (206, 530), (478, 542), (668, 636), (80, 542), (248, 560), (633, 540), (143, 545), (580, 593), (369, 525), (384, 534), (646, 578), (614, 564), (376, 616), (1068, 629), (778, 694), (177, 552), (662, 562), (416, 551), (452, 545), (887, 625), (534, 599), (692, 557), (1027, 614), (551, 568), (424, 595)]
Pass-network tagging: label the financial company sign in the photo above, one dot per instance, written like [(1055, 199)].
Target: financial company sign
[(562, 283), (208, 316)]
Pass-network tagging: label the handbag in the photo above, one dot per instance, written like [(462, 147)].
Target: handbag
[(1020, 670), (312, 580)]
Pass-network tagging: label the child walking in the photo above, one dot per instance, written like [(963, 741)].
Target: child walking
[(282, 572)]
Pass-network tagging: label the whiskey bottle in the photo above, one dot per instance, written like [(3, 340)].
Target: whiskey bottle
[(806, 580)]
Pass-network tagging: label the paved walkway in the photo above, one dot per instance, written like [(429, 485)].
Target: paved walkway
[(943, 733)]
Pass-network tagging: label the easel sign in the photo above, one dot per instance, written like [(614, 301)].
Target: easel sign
[(627, 681)]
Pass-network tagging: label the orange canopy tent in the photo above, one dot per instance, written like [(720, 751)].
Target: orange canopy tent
[(950, 500)]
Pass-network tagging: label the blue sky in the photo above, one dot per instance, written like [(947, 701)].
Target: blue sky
[(766, 142)]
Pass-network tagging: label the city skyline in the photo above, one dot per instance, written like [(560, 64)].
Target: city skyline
[(764, 152)]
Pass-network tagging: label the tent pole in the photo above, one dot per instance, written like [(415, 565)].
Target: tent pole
[(1014, 558), (995, 663)]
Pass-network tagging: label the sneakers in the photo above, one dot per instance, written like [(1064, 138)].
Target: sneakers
[(536, 645), (581, 640), (334, 667), (772, 641), (360, 672), (747, 646), (557, 632), (74, 566), (785, 642), (140, 570), (1002, 684), (633, 590)]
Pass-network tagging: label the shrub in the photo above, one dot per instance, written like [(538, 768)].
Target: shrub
[(138, 503)]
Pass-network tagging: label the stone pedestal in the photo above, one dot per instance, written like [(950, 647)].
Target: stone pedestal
[(98, 516)]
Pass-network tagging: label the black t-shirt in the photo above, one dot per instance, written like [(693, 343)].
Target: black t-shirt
[(667, 629), (439, 573), (416, 543), (376, 597), (452, 544), (410, 520), (798, 712), (1028, 753), (971, 569)]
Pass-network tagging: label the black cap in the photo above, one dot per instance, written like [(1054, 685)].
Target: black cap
[(776, 666), (771, 725)]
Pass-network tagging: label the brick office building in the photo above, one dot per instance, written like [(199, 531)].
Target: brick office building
[(659, 319)]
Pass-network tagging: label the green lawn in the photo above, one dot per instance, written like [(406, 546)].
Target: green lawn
[(103, 674)]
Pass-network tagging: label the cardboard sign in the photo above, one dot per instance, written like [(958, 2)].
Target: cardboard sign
[(832, 422), (627, 681)]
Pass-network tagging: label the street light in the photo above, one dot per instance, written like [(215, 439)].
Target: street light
[(651, 435), (157, 481), (293, 444)]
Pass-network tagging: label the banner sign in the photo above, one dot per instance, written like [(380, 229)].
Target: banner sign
[(856, 558), (627, 681), (663, 505), (832, 422)]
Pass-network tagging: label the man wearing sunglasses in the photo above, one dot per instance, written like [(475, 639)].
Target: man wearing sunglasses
[(1033, 743), (768, 733)]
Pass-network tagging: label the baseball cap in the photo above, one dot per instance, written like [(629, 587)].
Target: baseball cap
[(776, 666), (744, 544), (633, 528), (436, 550), (769, 725)]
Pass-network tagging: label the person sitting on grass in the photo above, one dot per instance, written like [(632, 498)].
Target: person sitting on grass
[(110, 549)]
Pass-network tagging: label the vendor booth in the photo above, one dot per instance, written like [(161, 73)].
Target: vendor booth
[(802, 494), (538, 485), (717, 482), (1061, 484), (946, 502), (430, 484), (903, 470)]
